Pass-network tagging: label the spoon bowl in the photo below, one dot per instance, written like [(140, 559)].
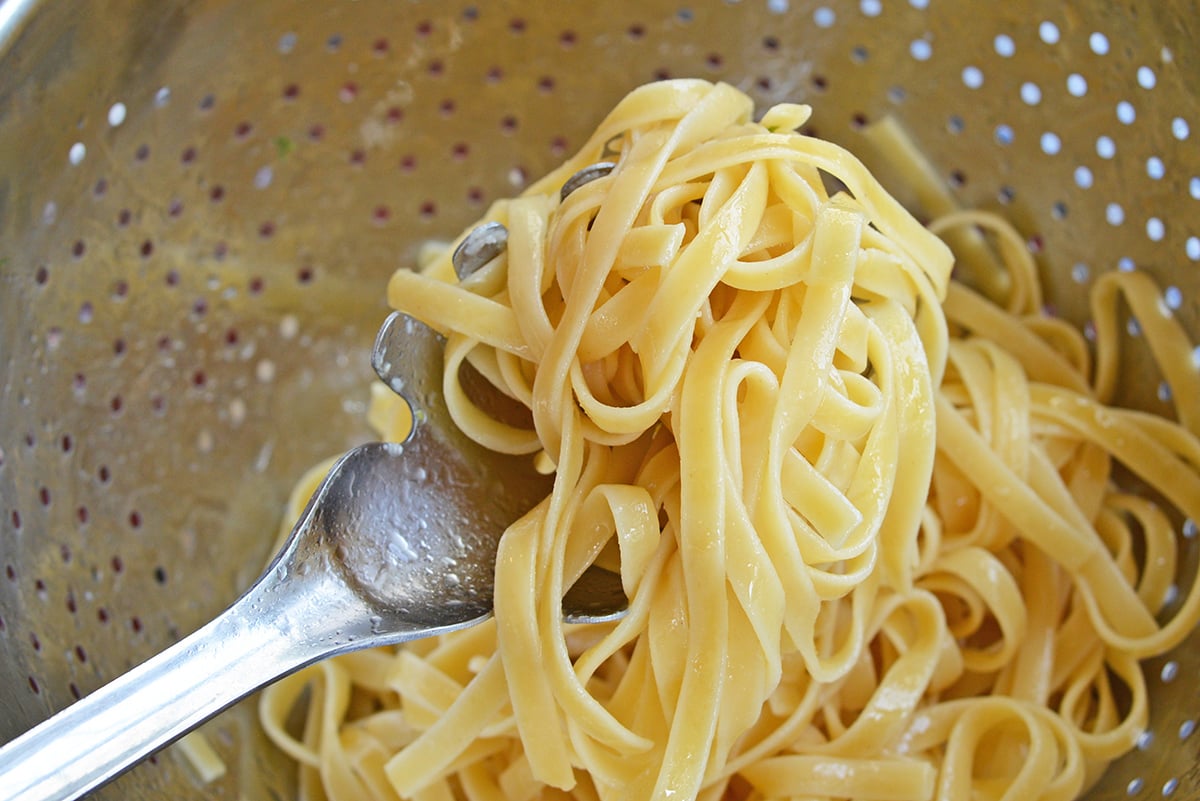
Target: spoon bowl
[(398, 542)]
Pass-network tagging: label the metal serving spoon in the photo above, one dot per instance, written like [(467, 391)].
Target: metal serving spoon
[(399, 542)]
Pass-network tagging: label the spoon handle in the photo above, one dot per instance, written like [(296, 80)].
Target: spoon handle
[(105, 733)]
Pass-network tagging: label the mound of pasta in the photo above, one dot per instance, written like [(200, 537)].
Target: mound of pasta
[(865, 516)]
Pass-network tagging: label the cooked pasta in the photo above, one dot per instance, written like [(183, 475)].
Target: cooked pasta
[(865, 516)]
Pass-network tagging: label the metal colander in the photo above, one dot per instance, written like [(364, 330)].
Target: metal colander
[(200, 204)]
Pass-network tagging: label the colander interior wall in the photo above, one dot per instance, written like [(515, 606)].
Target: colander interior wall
[(200, 203)]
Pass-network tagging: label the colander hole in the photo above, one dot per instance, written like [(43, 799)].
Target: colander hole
[(824, 17), (82, 515), (424, 28), (78, 249), (86, 312), (146, 249), (428, 210), (348, 92), (199, 307), (33, 685), (1186, 729), (158, 405), (1189, 528), (493, 75), (1114, 214), (777, 6), (265, 370), (1006, 195), (44, 496), (49, 213), (508, 124), (972, 77), (175, 208), (100, 187), (1051, 143), (1155, 168), (1180, 128), (516, 25), (685, 15), (102, 615), (1170, 786), (475, 195), (1099, 43), (64, 553), (334, 42), (1004, 45), (104, 474), (394, 115), (316, 131), (1194, 187), (77, 153), (160, 575), (1048, 32), (118, 565), (1155, 229), (305, 275), (1031, 94), (10, 572), (545, 84), (1083, 177), (162, 96), (770, 43), (870, 8), (381, 215), (819, 82), (1059, 211), (568, 39), (1105, 147), (74, 691), (40, 587), (1146, 77), (3, 626), (135, 519), (1126, 113), (135, 623), (207, 102), (460, 151), (1004, 134), (291, 91), (123, 217), (15, 517), (1193, 248), (116, 114), (714, 61), (116, 403), (266, 230), (920, 4), (71, 606), (65, 442), (920, 49), (41, 275), (1169, 671), (142, 153), (120, 289), (635, 31), (255, 285), (357, 157), (35, 642), (380, 47), (1144, 740)]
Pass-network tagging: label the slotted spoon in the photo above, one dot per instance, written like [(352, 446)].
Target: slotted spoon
[(398, 542)]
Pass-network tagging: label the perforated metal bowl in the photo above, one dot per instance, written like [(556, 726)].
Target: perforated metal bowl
[(200, 203)]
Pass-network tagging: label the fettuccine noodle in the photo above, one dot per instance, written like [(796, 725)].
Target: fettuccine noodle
[(865, 515)]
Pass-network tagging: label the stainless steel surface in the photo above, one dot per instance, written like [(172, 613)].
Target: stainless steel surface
[(397, 543), (200, 203)]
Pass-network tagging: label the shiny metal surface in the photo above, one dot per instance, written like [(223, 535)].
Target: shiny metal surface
[(200, 203), (397, 543)]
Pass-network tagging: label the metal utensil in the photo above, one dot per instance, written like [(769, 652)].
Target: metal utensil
[(397, 543)]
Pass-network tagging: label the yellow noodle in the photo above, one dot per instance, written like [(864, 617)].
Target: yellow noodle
[(865, 515)]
